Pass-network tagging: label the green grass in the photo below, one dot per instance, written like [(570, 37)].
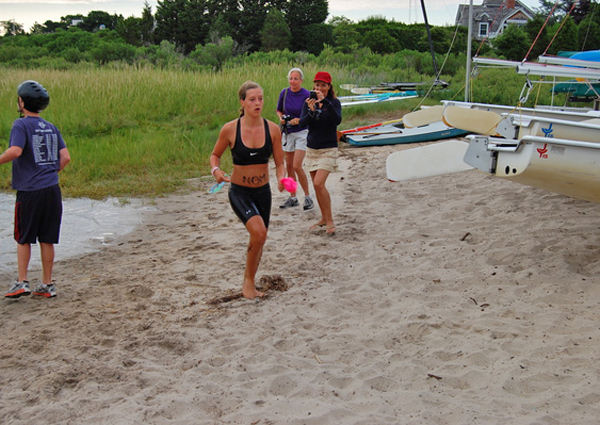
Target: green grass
[(135, 131), (131, 132)]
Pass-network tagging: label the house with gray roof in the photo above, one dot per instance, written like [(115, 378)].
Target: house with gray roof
[(493, 16)]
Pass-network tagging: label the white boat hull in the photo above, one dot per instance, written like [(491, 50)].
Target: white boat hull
[(397, 134), (568, 167), (374, 98)]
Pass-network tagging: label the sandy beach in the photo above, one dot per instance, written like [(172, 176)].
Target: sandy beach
[(458, 299)]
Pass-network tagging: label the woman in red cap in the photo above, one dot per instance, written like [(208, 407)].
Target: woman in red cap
[(322, 115)]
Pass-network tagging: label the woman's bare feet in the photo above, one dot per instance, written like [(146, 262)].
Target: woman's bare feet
[(315, 226), (250, 292)]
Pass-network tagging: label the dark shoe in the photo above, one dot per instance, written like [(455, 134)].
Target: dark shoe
[(290, 202), (308, 203)]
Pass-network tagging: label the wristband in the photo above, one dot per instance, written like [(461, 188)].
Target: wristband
[(213, 170)]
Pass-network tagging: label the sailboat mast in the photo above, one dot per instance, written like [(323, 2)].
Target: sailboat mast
[(435, 68), (468, 69)]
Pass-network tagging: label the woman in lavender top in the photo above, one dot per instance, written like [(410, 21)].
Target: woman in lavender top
[(289, 109)]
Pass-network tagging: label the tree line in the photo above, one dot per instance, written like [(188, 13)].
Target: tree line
[(211, 32), (253, 24)]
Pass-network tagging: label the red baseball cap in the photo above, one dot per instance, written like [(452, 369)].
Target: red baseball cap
[(323, 76)]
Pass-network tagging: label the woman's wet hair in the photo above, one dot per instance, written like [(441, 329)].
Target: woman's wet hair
[(248, 85)]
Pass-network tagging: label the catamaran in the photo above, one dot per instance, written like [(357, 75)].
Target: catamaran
[(555, 150)]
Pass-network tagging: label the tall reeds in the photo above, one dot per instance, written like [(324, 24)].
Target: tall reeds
[(142, 131), (136, 131)]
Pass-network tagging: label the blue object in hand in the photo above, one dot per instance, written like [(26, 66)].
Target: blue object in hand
[(216, 187)]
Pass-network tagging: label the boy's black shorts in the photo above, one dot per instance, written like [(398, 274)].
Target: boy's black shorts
[(38, 215)]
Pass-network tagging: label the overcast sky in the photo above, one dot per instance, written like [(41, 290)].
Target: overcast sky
[(439, 12)]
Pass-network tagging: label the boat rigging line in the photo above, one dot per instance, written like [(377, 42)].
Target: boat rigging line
[(561, 25), (485, 39), (540, 32)]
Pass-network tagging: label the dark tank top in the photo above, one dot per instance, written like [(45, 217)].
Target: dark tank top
[(242, 155)]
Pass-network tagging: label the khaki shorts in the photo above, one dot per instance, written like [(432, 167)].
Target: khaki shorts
[(321, 159), (294, 141)]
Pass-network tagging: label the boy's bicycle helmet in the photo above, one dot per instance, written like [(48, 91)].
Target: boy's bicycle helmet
[(34, 95)]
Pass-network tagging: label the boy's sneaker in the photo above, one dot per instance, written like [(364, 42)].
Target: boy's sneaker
[(47, 291), (308, 203), (17, 289), (290, 202)]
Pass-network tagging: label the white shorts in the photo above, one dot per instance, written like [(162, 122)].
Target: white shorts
[(294, 141)]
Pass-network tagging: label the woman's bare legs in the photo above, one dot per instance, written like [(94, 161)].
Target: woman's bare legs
[(289, 168), (258, 237), (319, 178), (302, 178)]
